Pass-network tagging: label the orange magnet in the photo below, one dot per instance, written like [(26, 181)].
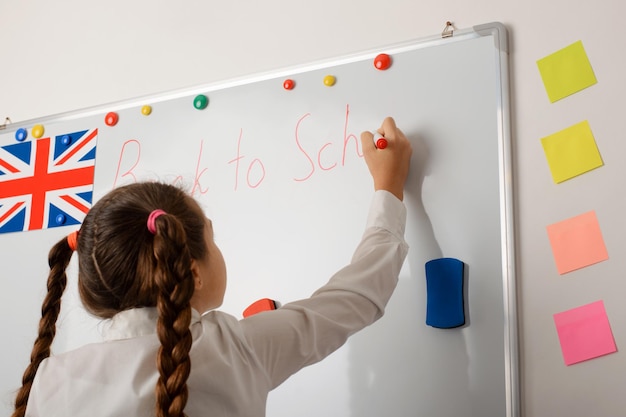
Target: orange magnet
[(264, 304)]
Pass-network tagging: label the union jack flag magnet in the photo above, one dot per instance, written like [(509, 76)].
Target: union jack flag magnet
[(47, 182)]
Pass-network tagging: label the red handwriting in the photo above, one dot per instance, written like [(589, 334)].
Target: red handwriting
[(255, 162), (134, 147), (302, 149), (318, 158), (130, 156), (347, 138), (198, 175)]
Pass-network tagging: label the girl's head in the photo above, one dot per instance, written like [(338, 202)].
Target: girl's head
[(118, 256), (174, 266)]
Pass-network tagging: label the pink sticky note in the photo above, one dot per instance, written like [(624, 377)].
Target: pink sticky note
[(584, 333), (577, 242)]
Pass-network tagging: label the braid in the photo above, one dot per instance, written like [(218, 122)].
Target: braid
[(174, 280), (58, 259)]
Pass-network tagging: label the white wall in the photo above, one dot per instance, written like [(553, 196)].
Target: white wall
[(66, 55)]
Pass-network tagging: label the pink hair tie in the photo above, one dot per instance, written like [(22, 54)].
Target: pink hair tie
[(152, 218)]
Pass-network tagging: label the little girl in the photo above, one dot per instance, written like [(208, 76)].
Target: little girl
[(147, 261)]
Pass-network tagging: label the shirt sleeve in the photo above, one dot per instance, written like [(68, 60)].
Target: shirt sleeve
[(305, 331)]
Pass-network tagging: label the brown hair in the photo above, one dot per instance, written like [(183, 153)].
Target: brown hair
[(122, 265)]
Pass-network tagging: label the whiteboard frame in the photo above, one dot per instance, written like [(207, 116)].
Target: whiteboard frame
[(511, 340)]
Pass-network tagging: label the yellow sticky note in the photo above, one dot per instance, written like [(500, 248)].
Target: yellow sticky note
[(566, 71), (571, 152)]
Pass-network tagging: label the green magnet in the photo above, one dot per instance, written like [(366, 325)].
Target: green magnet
[(200, 102)]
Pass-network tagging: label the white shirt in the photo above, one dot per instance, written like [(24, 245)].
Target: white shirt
[(235, 363)]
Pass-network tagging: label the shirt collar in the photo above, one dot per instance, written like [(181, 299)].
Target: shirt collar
[(136, 322)]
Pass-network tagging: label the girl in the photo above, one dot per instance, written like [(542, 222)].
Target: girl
[(147, 261)]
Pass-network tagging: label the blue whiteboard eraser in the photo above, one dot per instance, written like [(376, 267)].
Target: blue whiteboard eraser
[(444, 288)]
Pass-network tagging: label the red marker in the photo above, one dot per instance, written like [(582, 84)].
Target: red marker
[(379, 141)]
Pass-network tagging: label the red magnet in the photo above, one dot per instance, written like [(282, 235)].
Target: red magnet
[(264, 304), (382, 62), (111, 119), (289, 84)]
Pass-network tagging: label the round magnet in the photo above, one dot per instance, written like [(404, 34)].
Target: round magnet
[(60, 219), (111, 119), (146, 110), (38, 131), (329, 80), (382, 62), (21, 134), (66, 140), (289, 84), (200, 102)]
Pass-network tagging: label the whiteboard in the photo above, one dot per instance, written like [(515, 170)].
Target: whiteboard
[(281, 175)]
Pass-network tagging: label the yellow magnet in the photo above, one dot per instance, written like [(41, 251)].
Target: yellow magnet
[(38, 131)]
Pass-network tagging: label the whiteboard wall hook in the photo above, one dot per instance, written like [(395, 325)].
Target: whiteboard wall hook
[(6, 122), (448, 31)]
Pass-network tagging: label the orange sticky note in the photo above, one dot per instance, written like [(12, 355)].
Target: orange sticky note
[(577, 242), (584, 333)]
